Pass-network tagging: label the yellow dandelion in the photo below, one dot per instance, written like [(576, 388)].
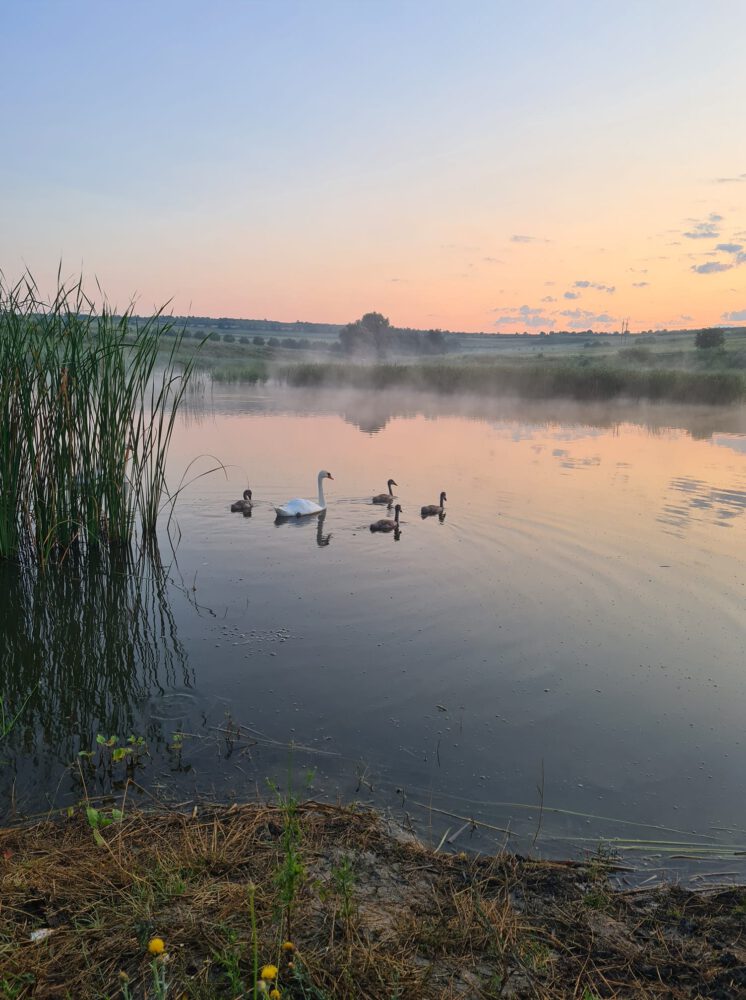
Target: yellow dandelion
[(269, 972), (156, 946), (275, 994), (288, 947)]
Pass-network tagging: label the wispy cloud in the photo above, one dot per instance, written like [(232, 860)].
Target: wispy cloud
[(736, 316), (610, 289), (706, 229), (581, 319), (711, 267), (640, 284), (526, 316), (492, 260), (549, 298), (518, 238), (729, 247), (738, 179), (571, 295)]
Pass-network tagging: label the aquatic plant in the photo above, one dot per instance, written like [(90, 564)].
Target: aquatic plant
[(88, 402), (530, 380)]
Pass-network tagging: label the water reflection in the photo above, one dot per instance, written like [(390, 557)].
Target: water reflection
[(322, 540), (697, 500), (82, 646), (371, 412)]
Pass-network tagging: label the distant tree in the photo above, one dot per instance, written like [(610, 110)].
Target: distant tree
[(228, 338), (259, 341), (304, 344), (290, 342), (273, 342), (214, 336), (244, 340), (706, 340)]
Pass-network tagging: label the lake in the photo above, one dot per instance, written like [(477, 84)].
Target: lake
[(561, 658)]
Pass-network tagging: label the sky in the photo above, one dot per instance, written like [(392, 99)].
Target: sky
[(481, 165)]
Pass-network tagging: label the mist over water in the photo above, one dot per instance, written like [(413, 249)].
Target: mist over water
[(574, 624)]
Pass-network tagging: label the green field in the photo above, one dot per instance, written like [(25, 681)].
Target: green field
[(660, 365)]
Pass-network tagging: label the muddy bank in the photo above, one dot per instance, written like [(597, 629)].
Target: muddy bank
[(369, 913)]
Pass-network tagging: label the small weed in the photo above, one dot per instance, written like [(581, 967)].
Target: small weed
[(596, 899), (15, 986), (228, 958), (343, 879), (98, 820)]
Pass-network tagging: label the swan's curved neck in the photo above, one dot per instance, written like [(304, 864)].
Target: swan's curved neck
[(396, 517), (322, 502)]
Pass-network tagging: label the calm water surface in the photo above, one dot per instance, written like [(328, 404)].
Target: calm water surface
[(572, 633)]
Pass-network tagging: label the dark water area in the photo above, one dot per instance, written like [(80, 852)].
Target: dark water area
[(561, 658)]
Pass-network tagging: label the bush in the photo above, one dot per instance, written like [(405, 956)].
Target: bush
[(228, 338), (259, 341), (707, 340)]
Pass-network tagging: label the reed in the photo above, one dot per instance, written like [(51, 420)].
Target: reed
[(534, 380), (88, 402)]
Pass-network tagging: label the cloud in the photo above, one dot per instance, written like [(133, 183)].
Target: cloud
[(526, 316), (581, 319), (517, 238), (731, 180), (492, 260), (735, 317), (705, 230), (711, 267), (549, 298), (572, 295), (610, 289), (640, 284), (729, 247)]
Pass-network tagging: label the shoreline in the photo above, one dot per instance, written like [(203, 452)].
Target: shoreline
[(371, 912)]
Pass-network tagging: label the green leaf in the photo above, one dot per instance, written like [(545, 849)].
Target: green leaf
[(98, 838), (117, 815), (93, 816)]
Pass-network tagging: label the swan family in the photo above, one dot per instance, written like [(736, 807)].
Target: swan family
[(299, 507)]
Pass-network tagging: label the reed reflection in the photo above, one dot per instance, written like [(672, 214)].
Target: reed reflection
[(82, 646)]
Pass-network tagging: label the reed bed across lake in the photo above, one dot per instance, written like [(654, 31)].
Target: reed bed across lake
[(88, 402), (527, 380)]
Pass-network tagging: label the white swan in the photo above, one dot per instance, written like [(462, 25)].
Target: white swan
[(302, 508)]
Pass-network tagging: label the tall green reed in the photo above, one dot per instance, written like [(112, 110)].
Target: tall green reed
[(88, 404)]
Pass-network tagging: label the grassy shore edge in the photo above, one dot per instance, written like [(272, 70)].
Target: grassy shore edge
[(370, 913)]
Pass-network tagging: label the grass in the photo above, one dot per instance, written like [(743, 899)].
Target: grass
[(88, 401), (378, 916)]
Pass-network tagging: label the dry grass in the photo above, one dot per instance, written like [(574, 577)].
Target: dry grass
[(376, 916)]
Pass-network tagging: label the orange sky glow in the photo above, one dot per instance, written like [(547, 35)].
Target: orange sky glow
[(570, 166)]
